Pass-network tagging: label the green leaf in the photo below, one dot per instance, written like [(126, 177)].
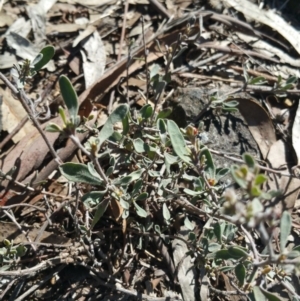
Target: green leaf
[(112, 161), (258, 295), (166, 212), (140, 146), (235, 171), (154, 173), (231, 253), (170, 159), (62, 114), (159, 87), (257, 206), (178, 142), (93, 171), (285, 229), (137, 186), (157, 229), (146, 111), (136, 175), (36, 60), (139, 210), (93, 198), (257, 81), (221, 172), (21, 250), (255, 191), (124, 204), (109, 171), (47, 54), (214, 247), (291, 80), (123, 181), (226, 268), (129, 178), (101, 208), (161, 125), (69, 96), (192, 236), (154, 70), (237, 252), (53, 128), (260, 179), (218, 232), (293, 254), (126, 126), (116, 137), (164, 113), (245, 72), (240, 273), (221, 254), (270, 296), (79, 173), (287, 87), (249, 160), (116, 116), (143, 196), (296, 248), (209, 163), (231, 103), (188, 224), (231, 110), (192, 192)]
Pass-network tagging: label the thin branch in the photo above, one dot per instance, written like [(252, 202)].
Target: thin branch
[(23, 98)]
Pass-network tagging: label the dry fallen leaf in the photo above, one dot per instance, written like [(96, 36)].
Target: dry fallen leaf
[(259, 123), (11, 232), (12, 113), (94, 58), (268, 17)]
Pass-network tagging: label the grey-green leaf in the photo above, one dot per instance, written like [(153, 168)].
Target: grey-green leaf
[(285, 229), (139, 210), (92, 198), (189, 224), (161, 125), (258, 295), (93, 171), (166, 212), (79, 173), (140, 146), (101, 208), (69, 96), (53, 128), (178, 142), (221, 172), (116, 116), (209, 163)]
